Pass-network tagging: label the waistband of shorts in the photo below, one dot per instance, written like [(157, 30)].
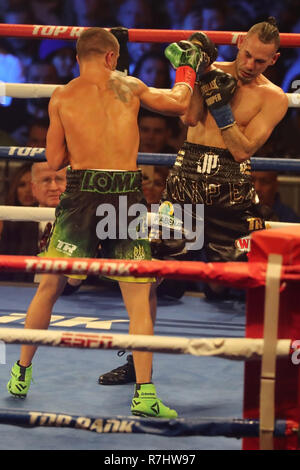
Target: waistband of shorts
[(202, 161), (103, 181), (197, 150)]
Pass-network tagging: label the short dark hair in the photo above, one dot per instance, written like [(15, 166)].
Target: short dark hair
[(95, 41), (267, 31)]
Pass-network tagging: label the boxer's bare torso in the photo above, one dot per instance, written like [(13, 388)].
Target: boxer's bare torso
[(100, 122), (257, 105), (248, 101), (93, 119)]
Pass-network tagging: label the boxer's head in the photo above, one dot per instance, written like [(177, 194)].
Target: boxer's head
[(98, 42), (257, 51)]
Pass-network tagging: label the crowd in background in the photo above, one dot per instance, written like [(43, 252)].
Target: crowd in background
[(24, 122)]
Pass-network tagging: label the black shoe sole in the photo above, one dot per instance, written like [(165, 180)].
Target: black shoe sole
[(116, 382)]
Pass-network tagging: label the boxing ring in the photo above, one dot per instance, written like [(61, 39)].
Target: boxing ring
[(248, 375)]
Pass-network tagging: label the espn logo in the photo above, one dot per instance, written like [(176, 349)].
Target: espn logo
[(243, 244)]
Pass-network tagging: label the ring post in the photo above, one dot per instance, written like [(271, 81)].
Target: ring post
[(286, 243)]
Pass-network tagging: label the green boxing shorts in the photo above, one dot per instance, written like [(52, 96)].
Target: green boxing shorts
[(92, 219)]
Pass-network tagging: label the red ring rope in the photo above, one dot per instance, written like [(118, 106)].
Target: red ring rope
[(135, 35), (236, 274)]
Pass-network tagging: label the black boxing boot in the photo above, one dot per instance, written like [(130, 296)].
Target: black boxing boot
[(121, 375)]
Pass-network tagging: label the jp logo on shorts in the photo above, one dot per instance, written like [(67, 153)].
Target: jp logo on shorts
[(66, 248), (208, 164)]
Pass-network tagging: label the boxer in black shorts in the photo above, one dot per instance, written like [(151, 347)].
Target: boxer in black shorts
[(232, 113)]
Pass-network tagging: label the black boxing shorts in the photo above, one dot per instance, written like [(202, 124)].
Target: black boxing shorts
[(210, 176), (93, 215)]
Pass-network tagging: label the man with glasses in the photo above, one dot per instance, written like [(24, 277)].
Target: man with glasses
[(47, 184), (26, 238)]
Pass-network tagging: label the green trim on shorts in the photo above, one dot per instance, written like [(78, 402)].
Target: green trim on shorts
[(110, 182)]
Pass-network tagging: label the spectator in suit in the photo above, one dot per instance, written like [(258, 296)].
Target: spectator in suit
[(267, 188), (23, 238)]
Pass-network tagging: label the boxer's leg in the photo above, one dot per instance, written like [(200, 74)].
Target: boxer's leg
[(38, 317), (137, 302), (125, 373)]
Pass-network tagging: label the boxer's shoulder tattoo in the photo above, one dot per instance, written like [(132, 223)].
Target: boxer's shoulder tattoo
[(122, 89)]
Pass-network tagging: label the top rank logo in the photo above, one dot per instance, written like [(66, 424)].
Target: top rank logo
[(26, 151), (57, 31)]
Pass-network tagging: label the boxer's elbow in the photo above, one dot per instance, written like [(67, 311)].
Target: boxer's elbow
[(241, 156), (189, 120), (245, 151), (56, 166), (56, 160), (193, 115), (240, 147), (53, 161), (181, 104)]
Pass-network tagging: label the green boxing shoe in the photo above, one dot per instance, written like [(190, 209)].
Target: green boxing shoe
[(20, 380), (146, 404)]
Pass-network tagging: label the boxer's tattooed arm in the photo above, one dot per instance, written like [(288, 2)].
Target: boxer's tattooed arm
[(122, 90)]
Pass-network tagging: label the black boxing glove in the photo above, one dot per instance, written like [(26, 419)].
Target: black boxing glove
[(121, 34), (168, 236), (206, 45), (217, 89), (161, 249)]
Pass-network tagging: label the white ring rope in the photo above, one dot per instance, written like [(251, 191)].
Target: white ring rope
[(47, 214), (27, 214), (27, 90), (32, 90), (227, 348)]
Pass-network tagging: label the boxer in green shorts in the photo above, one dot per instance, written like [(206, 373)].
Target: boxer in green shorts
[(93, 124)]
